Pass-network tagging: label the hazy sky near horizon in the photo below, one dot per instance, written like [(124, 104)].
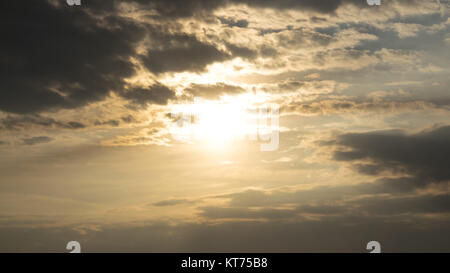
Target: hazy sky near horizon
[(89, 150)]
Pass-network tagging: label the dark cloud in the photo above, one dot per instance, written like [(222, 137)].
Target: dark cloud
[(213, 91), (241, 51), (246, 213), (75, 125), (56, 58), (316, 19), (26, 121), (37, 140), (181, 8), (343, 235), (305, 199), (291, 86), (176, 52), (324, 6), (267, 51), (380, 199), (423, 155), (156, 93), (234, 23), (270, 30), (324, 106), (173, 51), (128, 119), (333, 235), (111, 122), (68, 57), (426, 204), (203, 9)]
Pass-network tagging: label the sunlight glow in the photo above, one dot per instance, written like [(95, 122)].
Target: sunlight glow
[(216, 123)]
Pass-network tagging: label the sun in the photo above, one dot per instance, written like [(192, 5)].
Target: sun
[(215, 123), (220, 123)]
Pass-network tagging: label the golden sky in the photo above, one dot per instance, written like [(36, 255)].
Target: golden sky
[(136, 125)]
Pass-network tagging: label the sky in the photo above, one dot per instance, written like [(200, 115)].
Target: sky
[(225, 125)]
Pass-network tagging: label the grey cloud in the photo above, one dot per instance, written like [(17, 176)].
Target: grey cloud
[(241, 51), (316, 19), (141, 97), (234, 23), (270, 30), (213, 91), (304, 198), (26, 121), (182, 8), (325, 106), (267, 51), (127, 119), (312, 86), (172, 51), (324, 6), (75, 125), (400, 205), (203, 8), (177, 52), (424, 155), (377, 206), (194, 57), (111, 122), (163, 9), (37, 140), (382, 198)]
